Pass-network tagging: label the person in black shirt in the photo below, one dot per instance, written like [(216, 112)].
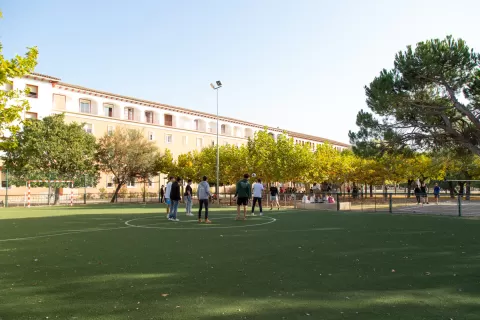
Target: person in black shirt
[(175, 197), (423, 189), (418, 193), (274, 196), (188, 198), (162, 193)]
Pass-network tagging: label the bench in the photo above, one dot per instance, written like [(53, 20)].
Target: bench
[(344, 206)]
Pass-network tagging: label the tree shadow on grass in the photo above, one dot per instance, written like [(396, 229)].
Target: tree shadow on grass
[(372, 270)]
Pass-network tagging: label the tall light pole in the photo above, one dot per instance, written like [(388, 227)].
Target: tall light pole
[(217, 186)]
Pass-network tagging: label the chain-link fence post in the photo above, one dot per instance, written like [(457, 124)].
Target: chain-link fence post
[(6, 189), (338, 201), (84, 189), (459, 205), (390, 204)]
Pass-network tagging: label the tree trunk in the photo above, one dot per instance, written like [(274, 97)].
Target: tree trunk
[(409, 187), (115, 195), (467, 197), (452, 189), (56, 196), (371, 191), (462, 188), (144, 190)]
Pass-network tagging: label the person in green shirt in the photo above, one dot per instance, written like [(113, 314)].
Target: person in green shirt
[(243, 193)]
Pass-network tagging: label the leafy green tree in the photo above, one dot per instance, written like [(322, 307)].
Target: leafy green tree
[(206, 163), (52, 149), (165, 163), (283, 161), (429, 100), (301, 165), (423, 167), (262, 152), (462, 166), (127, 154), (327, 165), (12, 102)]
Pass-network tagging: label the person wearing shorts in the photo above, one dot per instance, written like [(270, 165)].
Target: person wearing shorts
[(274, 197), (243, 192), (436, 192)]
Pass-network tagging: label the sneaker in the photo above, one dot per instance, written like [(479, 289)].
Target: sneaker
[(190, 214), (199, 220), (176, 220), (168, 216), (261, 213), (238, 218), (278, 208), (271, 209), (170, 219), (253, 213), (207, 221)]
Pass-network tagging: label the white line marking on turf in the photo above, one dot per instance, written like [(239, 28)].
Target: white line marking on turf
[(272, 220), (59, 234), (313, 229)]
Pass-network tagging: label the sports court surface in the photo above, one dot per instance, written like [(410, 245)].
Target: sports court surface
[(129, 262)]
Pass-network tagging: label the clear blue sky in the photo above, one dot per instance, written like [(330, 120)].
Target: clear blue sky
[(299, 65)]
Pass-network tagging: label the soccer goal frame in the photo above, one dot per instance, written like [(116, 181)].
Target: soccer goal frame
[(49, 181)]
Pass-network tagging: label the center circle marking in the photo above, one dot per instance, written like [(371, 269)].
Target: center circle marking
[(130, 224)]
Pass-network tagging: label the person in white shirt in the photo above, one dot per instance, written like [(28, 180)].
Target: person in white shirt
[(257, 196), (167, 194)]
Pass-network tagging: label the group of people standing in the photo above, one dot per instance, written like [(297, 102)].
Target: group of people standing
[(421, 193), (172, 196), (243, 193)]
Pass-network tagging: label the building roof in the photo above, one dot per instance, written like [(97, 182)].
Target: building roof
[(44, 76), (183, 110)]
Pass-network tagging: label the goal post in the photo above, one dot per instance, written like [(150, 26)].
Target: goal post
[(49, 181)]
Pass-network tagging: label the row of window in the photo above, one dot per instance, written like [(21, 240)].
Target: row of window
[(130, 114), (88, 127), (31, 91), (313, 145), (85, 106)]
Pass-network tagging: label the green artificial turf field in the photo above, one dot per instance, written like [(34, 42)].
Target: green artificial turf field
[(129, 262)]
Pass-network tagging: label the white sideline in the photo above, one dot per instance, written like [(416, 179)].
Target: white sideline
[(59, 234)]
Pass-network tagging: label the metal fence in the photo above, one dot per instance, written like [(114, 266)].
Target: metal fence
[(458, 205), (398, 203), (225, 199)]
